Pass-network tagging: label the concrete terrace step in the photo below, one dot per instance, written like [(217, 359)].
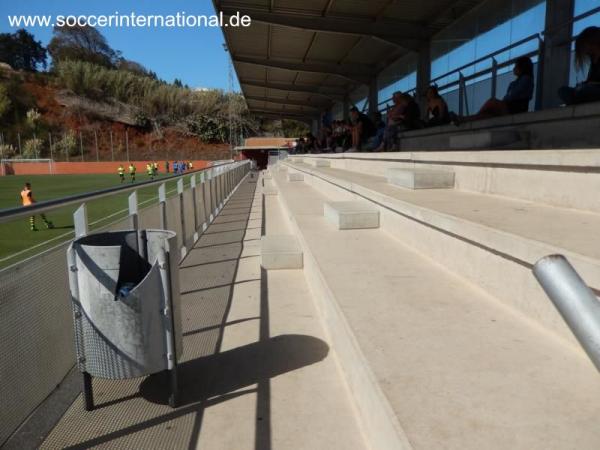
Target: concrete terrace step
[(280, 251), (489, 240), (295, 176), (561, 178), (433, 361), (420, 178)]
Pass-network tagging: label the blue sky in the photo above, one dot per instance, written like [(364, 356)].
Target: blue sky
[(194, 55)]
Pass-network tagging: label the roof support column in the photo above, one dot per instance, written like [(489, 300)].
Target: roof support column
[(373, 97), (314, 127), (423, 76), (556, 51)]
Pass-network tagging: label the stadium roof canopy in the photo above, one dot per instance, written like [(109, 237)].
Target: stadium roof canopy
[(300, 56)]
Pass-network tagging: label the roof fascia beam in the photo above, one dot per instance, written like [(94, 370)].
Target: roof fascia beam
[(330, 92), (283, 101), (353, 72), (402, 34)]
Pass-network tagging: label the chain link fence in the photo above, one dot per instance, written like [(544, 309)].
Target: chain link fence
[(95, 144), (36, 332)]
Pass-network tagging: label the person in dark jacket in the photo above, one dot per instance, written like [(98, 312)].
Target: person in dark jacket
[(404, 115), (587, 52), (362, 129), (437, 108), (516, 100)]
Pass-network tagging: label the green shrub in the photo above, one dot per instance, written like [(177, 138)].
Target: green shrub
[(32, 148), (7, 151), (67, 144), (5, 103)]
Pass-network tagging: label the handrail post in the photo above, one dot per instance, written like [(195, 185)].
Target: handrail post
[(461, 94), (162, 205), (494, 78), (203, 189), (195, 205), (182, 217), (80, 221), (539, 93), (133, 211), (574, 300)]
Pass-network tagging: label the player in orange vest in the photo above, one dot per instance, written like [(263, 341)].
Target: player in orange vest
[(28, 200)]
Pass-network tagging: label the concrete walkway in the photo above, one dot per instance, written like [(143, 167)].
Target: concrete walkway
[(257, 371)]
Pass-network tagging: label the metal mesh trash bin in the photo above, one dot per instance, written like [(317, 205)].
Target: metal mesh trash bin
[(125, 299)]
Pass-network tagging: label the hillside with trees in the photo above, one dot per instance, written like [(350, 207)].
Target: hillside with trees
[(90, 102)]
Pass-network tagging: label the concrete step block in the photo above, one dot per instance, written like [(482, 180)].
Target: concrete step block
[(295, 176), (420, 178), (352, 215), (279, 252), (296, 160), (316, 162)]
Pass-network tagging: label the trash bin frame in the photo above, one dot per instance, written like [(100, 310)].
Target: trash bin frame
[(163, 260)]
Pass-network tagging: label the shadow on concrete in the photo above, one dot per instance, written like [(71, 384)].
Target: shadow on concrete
[(226, 372)]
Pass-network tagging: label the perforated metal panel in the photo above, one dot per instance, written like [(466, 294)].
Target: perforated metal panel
[(188, 214), (174, 218), (149, 218), (36, 335)]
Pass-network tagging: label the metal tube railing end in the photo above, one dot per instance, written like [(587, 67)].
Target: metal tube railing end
[(574, 300)]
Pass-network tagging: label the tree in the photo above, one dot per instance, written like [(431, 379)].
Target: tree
[(134, 67), (177, 82), (5, 102), (22, 51), (82, 43), (294, 128)]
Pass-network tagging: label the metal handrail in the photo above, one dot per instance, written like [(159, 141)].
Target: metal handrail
[(574, 300), (488, 56), (492, 55), (7, 215)]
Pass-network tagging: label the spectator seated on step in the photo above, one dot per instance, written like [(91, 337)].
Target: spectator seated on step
[(404, 115), (587, 53), (340, 136), (324, 140), (374, 143), (300, 146), (437, 108), (516, 100), (310, 143), (361, 130)]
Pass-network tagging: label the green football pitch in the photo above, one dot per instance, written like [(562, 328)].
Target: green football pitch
[(18, 242)]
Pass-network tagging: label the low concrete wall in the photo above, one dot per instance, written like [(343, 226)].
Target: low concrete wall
[(72, 168), (566, 127)]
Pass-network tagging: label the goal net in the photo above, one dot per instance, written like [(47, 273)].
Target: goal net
[(26, 167)]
